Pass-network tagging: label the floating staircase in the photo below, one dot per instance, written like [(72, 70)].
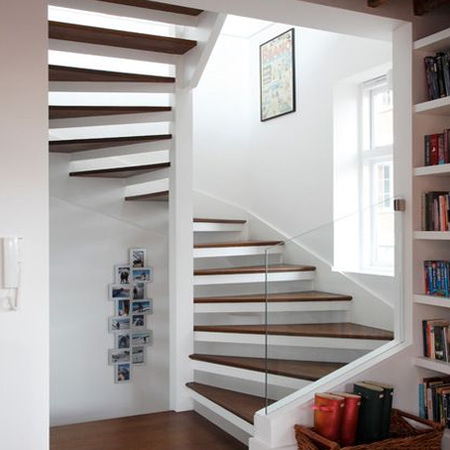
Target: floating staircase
[(92, 132), (231, 364)]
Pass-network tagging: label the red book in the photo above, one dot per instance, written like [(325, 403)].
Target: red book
[(349, 423), (328, 413)]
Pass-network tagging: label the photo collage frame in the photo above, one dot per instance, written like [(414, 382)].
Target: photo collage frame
[(132, 305)]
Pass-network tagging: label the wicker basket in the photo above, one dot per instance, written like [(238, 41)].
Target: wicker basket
[(404, 436)]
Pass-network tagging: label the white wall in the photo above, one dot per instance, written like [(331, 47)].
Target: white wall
[(92, 229), (24, 205)]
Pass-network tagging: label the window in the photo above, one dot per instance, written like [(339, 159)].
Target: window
[(376, 176)]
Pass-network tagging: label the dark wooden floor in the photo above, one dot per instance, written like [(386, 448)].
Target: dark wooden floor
[(161, 431)]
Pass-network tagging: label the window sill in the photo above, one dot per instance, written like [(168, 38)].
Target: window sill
[(374, 271)]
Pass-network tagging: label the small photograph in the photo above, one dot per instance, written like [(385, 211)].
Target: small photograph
[(116, 356), (141, 338), (122, 273), (138, 291), (122, 373), (142, 307), (123, 340), (123, 308), (143, 275), (138, 322), (119, 291), (137, 257), (119, 324), (138, 356)]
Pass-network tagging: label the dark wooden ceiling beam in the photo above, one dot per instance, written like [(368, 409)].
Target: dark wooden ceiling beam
[(424, 6), (158, 6), (376, 3)]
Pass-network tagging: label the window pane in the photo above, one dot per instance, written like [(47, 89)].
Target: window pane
[(382, 119)]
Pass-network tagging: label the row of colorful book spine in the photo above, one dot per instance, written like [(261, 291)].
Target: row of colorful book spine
[(361, 417), (437, 148), (435, 339), (437, 69), (437, 277), (435, 211), (434, 399)]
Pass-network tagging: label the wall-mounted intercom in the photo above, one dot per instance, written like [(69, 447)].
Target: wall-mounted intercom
[(12, 262)]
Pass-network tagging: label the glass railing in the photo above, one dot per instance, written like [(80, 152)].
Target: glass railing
[(333, 296)]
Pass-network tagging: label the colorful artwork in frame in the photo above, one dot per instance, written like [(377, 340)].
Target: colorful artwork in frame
[(277, 76)]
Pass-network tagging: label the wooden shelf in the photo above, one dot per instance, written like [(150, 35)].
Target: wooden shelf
[(439, 106), (437, 170), (432, 235), (432, 300), (432, 364), (435, 42)]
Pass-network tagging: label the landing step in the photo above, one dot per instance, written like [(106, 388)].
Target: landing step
[(121, 39), (70, 112), (308, 296), (237, 221), (120, 172), (274, 268), (74, 74), (303, 370), (157, 6), (79, 145), (324, 330), (241, 405), (153, 197)]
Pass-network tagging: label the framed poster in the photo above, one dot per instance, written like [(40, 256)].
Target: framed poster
[(277, 76)]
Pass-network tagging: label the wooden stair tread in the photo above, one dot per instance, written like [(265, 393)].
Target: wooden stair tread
[(70, 112), (75, 74), (303, 370), (242, 405), (79, 145), (309, 296), (162, 196), (326, 330), (117, 38), (238, 244), (158, 6), (274, 268), (120, 172), (236, 221)]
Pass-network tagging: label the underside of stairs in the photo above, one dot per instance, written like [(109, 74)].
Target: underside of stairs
[(257, 325)]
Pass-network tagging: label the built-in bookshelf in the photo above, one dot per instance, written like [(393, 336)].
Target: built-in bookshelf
[(430, 117)]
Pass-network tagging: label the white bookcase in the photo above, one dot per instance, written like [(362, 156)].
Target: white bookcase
[(429, 117)]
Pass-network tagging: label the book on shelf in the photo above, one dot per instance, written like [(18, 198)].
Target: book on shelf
[(388, 396), (437, 73), (371, 412), (437, 277), (436, 211), (328, 414), (436, 147), (435, 334), (434, 399)]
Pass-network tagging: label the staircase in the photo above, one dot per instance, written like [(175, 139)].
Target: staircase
[(308, 332), (103, 132)]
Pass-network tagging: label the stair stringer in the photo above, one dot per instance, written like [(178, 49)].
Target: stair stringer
[(274, 431)]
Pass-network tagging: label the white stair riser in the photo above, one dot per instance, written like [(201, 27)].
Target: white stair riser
[(251, 375), (204, 227), (125, 11), (237, 421), (147, 188), (113, 52), (145, 178), (218, 252), (125, 150), (111, 87), (271, 308), (203, 280), (296, 341)]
